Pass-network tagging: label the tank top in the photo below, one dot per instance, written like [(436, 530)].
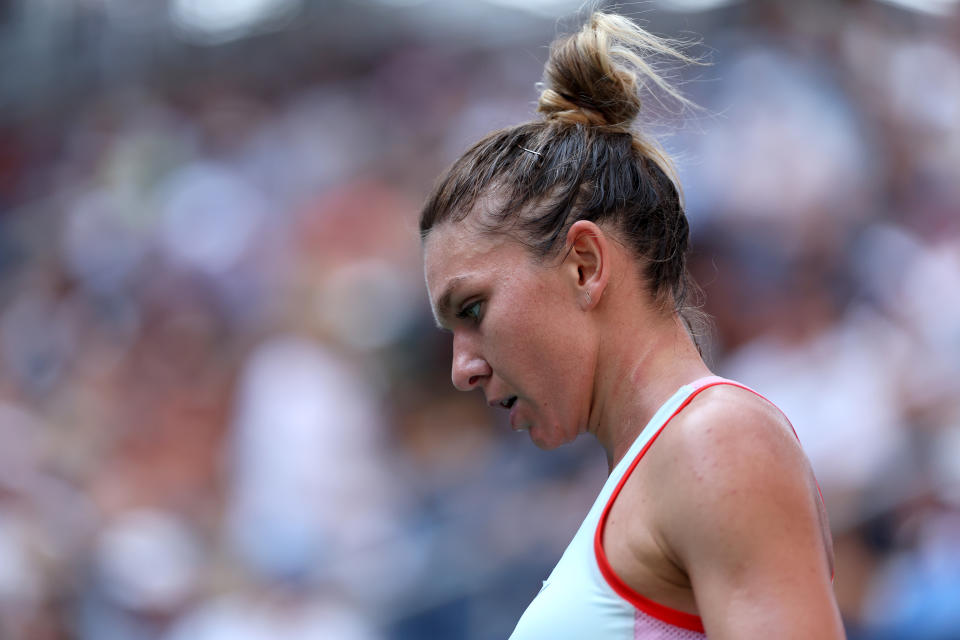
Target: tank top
[(583, 597)]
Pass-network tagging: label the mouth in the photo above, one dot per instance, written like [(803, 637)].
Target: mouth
[(509, 403)]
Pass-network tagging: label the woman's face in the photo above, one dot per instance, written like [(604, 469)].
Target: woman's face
[(518, 332)]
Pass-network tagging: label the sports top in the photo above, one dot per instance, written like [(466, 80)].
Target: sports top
[(583, 597)]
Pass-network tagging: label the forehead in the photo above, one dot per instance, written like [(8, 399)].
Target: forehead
[(453, 249), (455, 240), (455, 253)]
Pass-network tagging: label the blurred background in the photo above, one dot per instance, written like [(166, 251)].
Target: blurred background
[(224, 410)]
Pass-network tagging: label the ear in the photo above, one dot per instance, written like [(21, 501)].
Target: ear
[(587, 262)]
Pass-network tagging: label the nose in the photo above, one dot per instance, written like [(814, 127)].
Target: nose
[(469, 367)]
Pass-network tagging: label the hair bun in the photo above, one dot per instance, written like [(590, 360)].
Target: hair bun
[(593, 77)]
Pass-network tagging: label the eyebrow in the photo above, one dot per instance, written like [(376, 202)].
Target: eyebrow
[(443, 302)]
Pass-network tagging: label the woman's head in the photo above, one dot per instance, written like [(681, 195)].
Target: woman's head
[(583, 160), (524, 233)]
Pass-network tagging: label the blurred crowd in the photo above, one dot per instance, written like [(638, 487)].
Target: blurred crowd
[(225, 412)]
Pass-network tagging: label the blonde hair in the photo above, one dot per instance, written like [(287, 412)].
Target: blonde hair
[(596, 75)]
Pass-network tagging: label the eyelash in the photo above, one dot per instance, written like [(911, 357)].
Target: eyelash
[(465, 313)]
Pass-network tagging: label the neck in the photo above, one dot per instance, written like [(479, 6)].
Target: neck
[(635, 376)]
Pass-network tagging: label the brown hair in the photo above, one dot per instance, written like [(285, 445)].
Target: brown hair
[(583, 161)]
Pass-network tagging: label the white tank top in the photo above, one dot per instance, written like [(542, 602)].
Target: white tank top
[(583, 597)]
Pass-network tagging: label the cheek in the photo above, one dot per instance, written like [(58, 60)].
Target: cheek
[(552, 345), (566, 363), (539, 331)]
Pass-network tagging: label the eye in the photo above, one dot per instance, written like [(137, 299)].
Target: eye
[(471, 312)]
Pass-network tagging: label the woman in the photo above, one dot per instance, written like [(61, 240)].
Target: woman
[(554, 253)]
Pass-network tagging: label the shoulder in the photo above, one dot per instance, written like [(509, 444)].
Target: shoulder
[(722, 426), (729, 499), (735, 479)]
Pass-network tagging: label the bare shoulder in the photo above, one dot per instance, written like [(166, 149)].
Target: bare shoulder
[(729, 501), (723, 427), (737, 476), (739, 514)]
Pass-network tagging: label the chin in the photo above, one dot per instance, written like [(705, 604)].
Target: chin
[(547, 444)]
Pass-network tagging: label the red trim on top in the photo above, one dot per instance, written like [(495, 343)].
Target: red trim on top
[(661, 612)]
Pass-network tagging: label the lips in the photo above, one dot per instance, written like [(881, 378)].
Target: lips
[(515, 422)]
